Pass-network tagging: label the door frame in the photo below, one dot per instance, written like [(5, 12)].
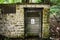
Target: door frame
[(41, 16)]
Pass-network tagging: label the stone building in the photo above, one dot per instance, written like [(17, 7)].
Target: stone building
[(23, 19)]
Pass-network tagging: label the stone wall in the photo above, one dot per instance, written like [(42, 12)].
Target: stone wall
[(45, 28), (12, 24)]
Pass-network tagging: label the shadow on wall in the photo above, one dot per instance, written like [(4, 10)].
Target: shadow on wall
[(7, 38), (3, 28), (8, 8)]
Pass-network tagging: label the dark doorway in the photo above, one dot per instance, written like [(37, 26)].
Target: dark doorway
[(33, 22)]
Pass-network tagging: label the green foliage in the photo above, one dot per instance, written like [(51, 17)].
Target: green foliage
[(35, 1), (54, 20), (55, 9), (10, 1), (55, 1)]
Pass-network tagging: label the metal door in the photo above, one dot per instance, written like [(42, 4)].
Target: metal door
[(33, 21)]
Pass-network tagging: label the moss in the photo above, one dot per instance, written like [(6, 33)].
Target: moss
[(46, 32)]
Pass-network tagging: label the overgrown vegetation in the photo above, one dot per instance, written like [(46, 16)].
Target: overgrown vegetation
[(55, 19), (55, 2)]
